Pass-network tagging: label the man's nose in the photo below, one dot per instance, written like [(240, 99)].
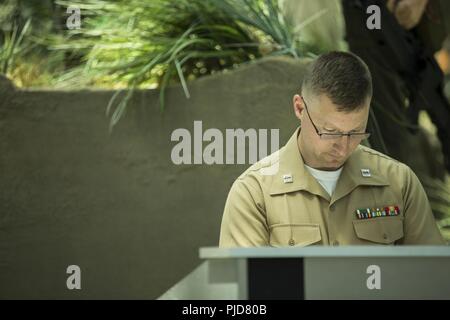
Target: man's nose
[(342, 145)]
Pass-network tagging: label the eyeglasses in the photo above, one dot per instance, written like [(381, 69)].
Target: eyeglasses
[(353, 137)]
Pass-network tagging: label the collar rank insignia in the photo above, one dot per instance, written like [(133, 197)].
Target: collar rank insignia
[(366, 173), (370, 213), (287, 178)]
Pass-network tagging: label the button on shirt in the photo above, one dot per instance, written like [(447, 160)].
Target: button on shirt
[(278, 202)]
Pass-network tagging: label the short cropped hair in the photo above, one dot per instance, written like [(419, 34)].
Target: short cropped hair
[(342, 76)]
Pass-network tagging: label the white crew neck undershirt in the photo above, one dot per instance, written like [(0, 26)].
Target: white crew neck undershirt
[(327, 179)]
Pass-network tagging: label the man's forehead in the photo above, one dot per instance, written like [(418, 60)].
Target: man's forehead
[(341, 120), (351, 126)]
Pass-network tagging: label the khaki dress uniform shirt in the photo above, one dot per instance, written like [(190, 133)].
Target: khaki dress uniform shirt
[(277, 202)]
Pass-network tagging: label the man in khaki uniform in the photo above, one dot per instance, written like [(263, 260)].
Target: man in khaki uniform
[(323, 187)]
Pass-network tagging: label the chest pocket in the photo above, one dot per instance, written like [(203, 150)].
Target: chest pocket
[(282, 235), (384, 230)]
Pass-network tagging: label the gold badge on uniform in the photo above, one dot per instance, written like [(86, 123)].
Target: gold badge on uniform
[(370, 213)]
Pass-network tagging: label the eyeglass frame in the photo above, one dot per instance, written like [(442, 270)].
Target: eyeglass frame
[(364, 135)]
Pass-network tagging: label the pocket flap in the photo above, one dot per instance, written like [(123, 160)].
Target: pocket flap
[(282, 235), (381, 230)]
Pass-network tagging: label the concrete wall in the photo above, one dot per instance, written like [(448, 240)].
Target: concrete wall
[(115, 204)]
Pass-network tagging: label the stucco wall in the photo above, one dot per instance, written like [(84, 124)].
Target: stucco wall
[(115, 204)]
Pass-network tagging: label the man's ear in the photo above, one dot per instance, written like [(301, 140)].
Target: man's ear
[(299, 106)]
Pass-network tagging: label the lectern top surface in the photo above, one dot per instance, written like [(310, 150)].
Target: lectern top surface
[(325, 251)]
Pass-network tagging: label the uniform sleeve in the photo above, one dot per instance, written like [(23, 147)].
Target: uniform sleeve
[(244, 221), (419, 226)]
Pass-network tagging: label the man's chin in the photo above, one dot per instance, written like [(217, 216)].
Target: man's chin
[(331, 166), (334, 164), (335, 167)]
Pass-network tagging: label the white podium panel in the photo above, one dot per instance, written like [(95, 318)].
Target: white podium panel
[(357, 272)]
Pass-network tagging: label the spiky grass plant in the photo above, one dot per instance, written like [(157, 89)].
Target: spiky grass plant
[(12, 46), (141, 43)]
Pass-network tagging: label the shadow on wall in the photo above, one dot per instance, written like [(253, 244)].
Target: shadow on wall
[(116, 205)]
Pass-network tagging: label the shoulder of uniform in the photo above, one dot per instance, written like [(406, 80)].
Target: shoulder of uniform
[(374, 153), (383, 162), (262, 166)]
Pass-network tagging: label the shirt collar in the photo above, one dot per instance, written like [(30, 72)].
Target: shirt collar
[(291, 163)]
